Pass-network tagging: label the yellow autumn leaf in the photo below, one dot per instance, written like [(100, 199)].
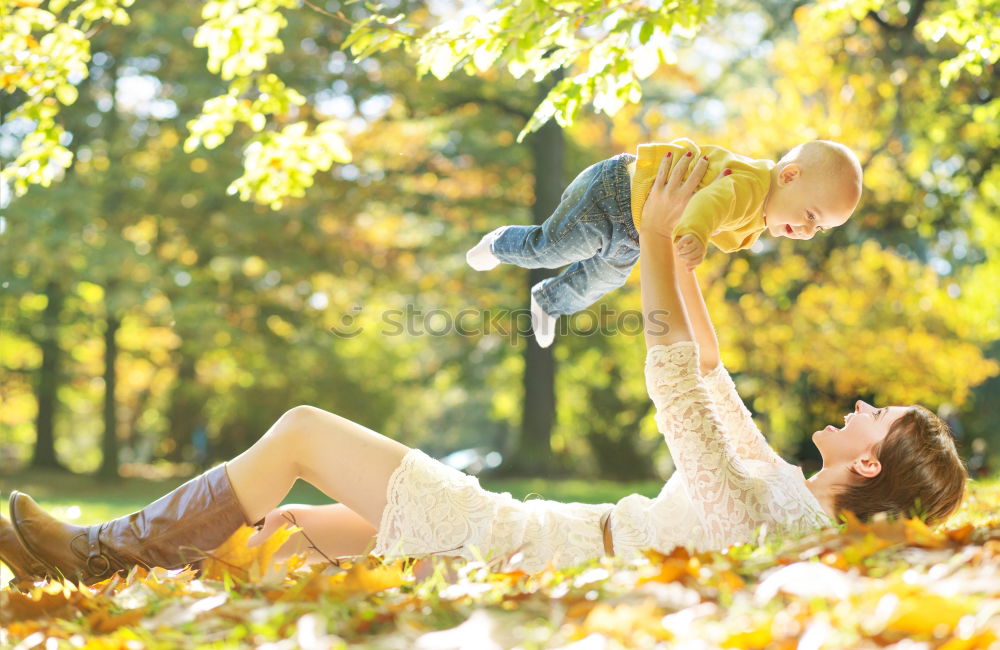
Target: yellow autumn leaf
[(926, 613), (103, 622), (857, 551), (758, 637), (911, 610), (985, 639), (625, 620), (365, 577), (236, 558)]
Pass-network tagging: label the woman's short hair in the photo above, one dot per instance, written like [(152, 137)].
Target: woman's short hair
[(922, 474)]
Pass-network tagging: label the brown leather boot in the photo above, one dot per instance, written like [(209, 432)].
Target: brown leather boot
[(22, 565), (177, 529)]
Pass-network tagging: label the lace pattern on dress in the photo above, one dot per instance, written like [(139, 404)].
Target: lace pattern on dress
[(432, 508), (721, 491), (730, 494), (736, 419)]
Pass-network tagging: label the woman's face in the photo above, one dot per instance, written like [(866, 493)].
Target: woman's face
[(851, 445)]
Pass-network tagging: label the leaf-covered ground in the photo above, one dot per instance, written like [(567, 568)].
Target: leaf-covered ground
[(888, 584)]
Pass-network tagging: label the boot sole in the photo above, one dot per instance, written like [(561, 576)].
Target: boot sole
[(12, 509)]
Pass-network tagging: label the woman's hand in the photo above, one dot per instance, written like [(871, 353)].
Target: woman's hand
[(671, 192), (666, 287)]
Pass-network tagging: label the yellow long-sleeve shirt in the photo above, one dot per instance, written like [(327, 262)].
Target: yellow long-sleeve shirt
[(728, 213)]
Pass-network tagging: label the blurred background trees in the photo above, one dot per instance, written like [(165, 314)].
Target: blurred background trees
[(148, 315)]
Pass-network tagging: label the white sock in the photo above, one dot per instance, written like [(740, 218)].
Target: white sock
[(543, 325), (480, 257)]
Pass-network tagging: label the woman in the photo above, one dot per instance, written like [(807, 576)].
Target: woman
[(728, 481)]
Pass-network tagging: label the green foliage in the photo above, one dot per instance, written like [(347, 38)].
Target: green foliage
[(972, 24), (608, 47), (241, 34), (43, 55), (605, 49), (229, 311), (283, 164), (976, 25)]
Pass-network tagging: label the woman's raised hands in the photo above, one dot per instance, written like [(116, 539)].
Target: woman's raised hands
[(671, 192)]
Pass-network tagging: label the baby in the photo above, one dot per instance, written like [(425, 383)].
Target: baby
[(595, 227)]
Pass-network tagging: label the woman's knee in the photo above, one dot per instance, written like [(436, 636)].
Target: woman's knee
[(302, 412), (299, 418), (294, 425)]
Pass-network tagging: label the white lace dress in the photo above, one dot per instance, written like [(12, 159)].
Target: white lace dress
[(728, 482)]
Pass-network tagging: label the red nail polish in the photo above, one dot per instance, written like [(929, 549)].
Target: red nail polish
[(669, 153), (704, 157), (687, 155), (727, 172)]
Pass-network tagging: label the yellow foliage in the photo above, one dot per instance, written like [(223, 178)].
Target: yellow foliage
[(625, 622), (363, 578), (235, 558)]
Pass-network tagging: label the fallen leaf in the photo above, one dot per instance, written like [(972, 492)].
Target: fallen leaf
[(102, 622), (624, 621), (236, 558)]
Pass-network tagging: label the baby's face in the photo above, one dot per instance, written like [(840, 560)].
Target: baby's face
[(798, 207)]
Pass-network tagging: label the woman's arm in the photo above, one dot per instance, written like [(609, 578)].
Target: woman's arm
[(701, 322), (666, 319)]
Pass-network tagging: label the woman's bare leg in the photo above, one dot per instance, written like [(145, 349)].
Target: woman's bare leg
[(328, 531), (348, 462)]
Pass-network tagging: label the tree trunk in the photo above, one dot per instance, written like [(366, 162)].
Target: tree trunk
[(611, 430), (534, 454), (111, 201), (109, 446), (187, 405), (48, 382)]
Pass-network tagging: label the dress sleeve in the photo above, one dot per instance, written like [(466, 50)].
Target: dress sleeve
[(729, 500), (736, 419)]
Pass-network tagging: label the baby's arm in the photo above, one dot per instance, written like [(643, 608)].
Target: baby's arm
[(690, 251), (710, 210)]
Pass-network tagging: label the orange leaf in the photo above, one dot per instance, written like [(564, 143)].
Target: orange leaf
[(672, 567), (919, 534), (51, 599), (729, 580), (961, 534)]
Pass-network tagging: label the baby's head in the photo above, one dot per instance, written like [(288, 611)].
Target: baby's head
[(814, 187)]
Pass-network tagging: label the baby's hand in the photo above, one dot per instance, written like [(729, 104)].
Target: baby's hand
[(690, 250)]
